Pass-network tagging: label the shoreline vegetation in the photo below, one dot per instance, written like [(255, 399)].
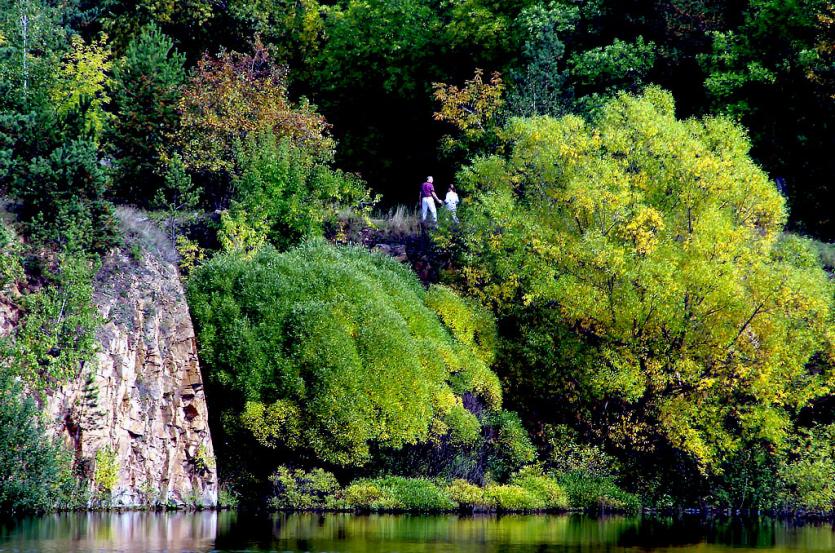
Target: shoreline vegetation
[(631, 308)]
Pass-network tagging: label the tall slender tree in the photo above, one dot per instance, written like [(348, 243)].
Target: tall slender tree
[(147, 86)]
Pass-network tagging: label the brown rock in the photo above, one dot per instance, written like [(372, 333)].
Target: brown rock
[(150, 407)]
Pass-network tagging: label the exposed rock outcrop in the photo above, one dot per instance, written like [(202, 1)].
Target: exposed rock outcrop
[(142, 401)]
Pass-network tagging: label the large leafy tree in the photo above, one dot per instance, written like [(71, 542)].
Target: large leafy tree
[(147, 84), (644, 285), (187, 20), (332, 352), (291, 29), (32, 41)]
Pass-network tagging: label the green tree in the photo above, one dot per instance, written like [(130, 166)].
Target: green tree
[(32, 41), (541, 84), (474, 110), (822, 74), (759, 72), (641, 258), (335, 351), (601, 72), (84, 77), (32, 468), (381, 41), (187, 20), (52, 167), (291, 29), (147, 84)]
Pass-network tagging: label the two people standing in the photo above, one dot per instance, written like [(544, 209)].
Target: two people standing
[(428, 197)]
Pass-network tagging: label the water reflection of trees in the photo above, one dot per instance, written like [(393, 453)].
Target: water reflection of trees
[(351, 533), (346, 533)]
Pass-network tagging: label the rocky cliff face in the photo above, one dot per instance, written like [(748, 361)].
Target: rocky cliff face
[(142, 403)]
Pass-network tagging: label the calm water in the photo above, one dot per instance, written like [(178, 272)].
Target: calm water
[(179, 532)]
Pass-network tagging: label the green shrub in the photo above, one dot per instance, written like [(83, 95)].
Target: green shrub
[(284, 194), (106, 473), (511, 447), (564, 452), (542, 486), (464, 427), (57, 332), (329, 349), (398, 493), (749, 479), (366, 494), (467, 495), (11, 270), (227, 498), (418, 494), (596, 493), (34, 471), (56, 176), (807, 476), (297, 489), (509, 497)]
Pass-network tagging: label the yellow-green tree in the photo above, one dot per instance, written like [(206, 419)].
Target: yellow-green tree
[(641, 261), (84, 75), (473, 110)]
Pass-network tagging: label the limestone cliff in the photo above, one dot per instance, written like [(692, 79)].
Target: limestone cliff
[(142, 402)]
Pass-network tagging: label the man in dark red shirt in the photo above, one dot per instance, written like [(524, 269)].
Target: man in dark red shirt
[(428, 199)]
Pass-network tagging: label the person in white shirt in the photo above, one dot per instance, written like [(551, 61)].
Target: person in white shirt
[(451, 202)]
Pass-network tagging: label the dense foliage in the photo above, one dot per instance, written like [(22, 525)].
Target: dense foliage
[(625, 269), (371, 65), (147, 84), (35, 471), (284, 193), (55, 335), (235, 96), (32, 468), (337, 352), (639, 267)]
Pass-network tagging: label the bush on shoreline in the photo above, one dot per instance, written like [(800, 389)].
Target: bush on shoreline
[(397, 493), (597, 493), (529, 490)]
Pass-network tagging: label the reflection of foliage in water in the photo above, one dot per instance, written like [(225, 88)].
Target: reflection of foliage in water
[(227, 531)]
